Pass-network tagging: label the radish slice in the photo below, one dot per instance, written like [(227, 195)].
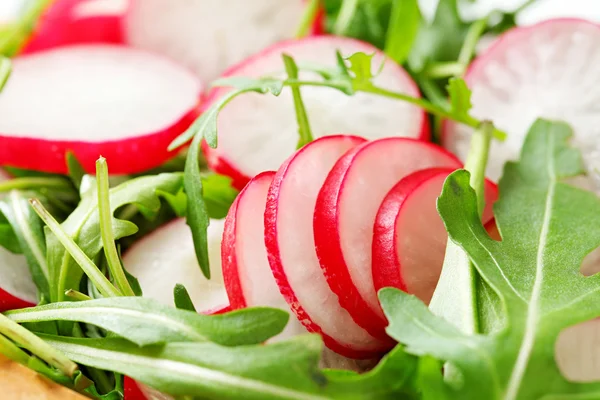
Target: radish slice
[(346, 211), (166, 257), (17, 289), (248, 277), (258, 132), (79, 21), (210, 35), (409, 238), (556, 58), (124, 104), (290, 247)]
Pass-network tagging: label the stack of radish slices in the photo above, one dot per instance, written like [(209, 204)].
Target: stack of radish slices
[(341, 218)]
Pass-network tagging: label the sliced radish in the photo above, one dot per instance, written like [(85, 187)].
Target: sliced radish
[(166, 257), (248, 277), (17, 289), (290, 248), (258, 132), (556, 58), (79, 21), (124, 104), (345, 215), (210, 35), (409, 238)]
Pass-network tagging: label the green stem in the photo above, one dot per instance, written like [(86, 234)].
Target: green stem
[(301, 117), (345, 16), (308, 18), (37, 346), (468, 48), (444, 70), (12, 351), (477, 160), (524, 6), (5, 70), (22, 30), (89, 268), (106, 231), (75, 295), (35, 183)]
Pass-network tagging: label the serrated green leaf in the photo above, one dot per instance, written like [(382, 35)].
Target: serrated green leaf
[(460, 97), (144, 321)]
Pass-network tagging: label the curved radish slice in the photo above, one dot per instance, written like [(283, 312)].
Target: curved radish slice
[(166, 257), (248, 277), (556, 58), (345, 216), (290, 248), (124, 104), (409, 238), (228, 30), (79, 21), (258, 132)]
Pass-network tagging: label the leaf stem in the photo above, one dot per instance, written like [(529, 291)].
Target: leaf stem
[(37, 346), (477, 161), (444, 70), (468, 49), (76, 295), (345, 15), (35, 183), (100, 281), (308, 18), (12, 351), (301, 117), (106, 231)]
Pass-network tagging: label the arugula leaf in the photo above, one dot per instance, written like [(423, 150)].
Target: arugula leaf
[(301, 117), (547, 228), (75, 169), (405, 20), (182, 298), (219, 195), (460, 97), (144, 321)]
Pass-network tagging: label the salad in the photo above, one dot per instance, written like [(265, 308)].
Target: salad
[(290, 199)]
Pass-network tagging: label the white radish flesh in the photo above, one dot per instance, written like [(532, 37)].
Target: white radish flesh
[(258, 132), (248, 277), (346, 210), (556, 58), (409, 236), (124, 104), (291, 248), (166, 257), (208, 36)]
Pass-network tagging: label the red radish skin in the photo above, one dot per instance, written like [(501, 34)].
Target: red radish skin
[(555, 57), (68, 22), (345, 215), (258, 132), (492, 230), (290, 248), (228, 30), (166, 257), (409, 237), (140, 103)]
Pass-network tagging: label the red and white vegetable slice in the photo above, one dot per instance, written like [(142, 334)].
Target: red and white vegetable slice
[(345, 215), (258, 132), (68, 22), (17, 289), (208, 36), (291, 248), (124, 104), (409, 238), (166, 257), (556, 58), (248, 277)]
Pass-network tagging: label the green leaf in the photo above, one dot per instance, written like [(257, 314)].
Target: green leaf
[(360, 70), (405, 20), (301, 116), (219, 195), (75, 169), (182, 298), (547, 228), (144, 321), (460, 97)]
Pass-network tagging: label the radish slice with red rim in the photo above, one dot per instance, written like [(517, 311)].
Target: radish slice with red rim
[(409, 238), (248, 277), (291, 248), (124, 104), (229, 30), (68, 22), (557, 58), (166, 257), (258, 132), (345, 215)]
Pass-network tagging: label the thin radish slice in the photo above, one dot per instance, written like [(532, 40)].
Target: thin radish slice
[(409, 238), (124, 104), (556, 58), (79, 21), (258, 132), (17, 289), (345, 215), (290, 247), (166, 257), (210, 35)]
